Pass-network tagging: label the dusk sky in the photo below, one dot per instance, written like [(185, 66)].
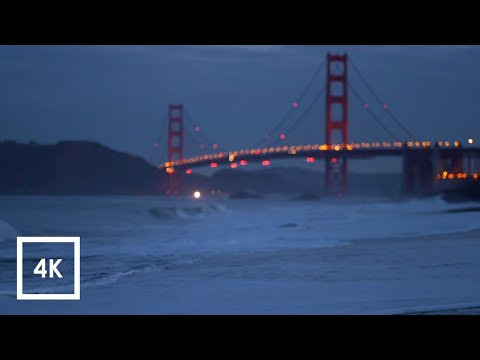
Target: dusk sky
[(118, 95)]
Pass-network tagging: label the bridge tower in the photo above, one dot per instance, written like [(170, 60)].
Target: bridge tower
[(419, 172), (175, 145), (451, 160), (336, 122)]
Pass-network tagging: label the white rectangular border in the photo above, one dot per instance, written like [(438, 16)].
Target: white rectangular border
[(76, 268)]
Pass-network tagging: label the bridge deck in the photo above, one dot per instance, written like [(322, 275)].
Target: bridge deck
[(259, 155)]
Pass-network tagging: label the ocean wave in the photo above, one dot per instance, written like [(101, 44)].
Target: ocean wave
[(99, 281), (419, 310), (8, 293), (158, 265), (176, 212), (113, 278), (7, 232)]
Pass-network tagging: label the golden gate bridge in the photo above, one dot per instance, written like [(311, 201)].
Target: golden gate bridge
[(425, 163)]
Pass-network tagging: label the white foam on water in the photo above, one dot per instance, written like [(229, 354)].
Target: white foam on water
[(7, 232)]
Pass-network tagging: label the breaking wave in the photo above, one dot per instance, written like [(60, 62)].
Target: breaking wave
[(175, 212)]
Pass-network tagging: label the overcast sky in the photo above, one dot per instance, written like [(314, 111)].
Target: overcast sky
[(118, 95)]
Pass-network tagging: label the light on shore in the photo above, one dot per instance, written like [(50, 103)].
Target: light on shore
[(197, 195), (470, 141)]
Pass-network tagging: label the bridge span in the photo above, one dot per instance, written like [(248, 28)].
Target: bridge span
[(425, 163)]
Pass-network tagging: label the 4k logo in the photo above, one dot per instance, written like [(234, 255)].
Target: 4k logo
[(50, 267), (40, 268)]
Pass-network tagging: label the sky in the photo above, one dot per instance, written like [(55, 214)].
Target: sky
[(119, 95)]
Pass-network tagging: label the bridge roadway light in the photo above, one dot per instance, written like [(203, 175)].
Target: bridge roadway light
[(470, 141)]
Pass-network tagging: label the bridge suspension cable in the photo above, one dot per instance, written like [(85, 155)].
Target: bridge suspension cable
[(286, 117), (374, 116), (158, 146), (311, 82), (302, 116), (375, 95), (197, 135), (193, 136)]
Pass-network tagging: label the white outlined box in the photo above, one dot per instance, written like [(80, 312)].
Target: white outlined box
[(76, 268)]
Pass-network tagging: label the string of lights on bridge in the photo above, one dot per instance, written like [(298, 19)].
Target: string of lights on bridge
[(169, 167)]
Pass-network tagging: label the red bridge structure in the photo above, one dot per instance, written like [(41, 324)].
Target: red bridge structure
[(425, 163), (175, 143)]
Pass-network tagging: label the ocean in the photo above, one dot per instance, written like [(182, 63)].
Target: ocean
[(156, 255)]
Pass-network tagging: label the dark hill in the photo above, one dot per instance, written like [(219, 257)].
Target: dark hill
[(75, 168)]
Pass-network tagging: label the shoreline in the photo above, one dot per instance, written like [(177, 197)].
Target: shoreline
[(454, 311), (473, 233)]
